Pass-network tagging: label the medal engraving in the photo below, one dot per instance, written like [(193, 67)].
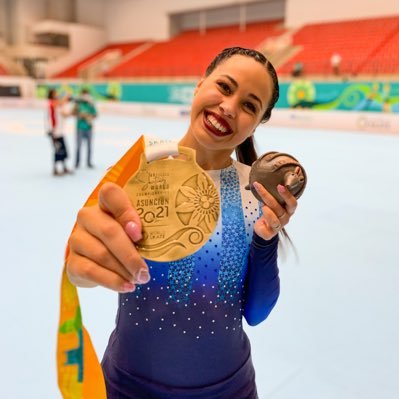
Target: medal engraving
[(178, 205)]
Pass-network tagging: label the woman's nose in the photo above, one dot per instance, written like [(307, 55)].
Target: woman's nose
[(228, 108)]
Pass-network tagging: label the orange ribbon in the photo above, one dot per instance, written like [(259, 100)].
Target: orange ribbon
[(79, 371)]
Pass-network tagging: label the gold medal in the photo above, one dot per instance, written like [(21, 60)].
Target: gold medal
[(178, 205)]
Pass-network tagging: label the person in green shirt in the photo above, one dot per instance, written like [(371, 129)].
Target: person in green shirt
[(85, 112)]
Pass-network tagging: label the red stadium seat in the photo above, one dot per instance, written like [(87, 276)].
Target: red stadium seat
[(188, 53), (359, 42)]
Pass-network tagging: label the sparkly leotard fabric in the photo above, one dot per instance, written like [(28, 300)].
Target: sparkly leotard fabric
[(181, 336)]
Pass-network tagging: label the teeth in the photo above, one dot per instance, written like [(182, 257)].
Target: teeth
[(212, 120)]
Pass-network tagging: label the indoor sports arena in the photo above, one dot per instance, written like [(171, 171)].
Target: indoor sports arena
[(89, 89)]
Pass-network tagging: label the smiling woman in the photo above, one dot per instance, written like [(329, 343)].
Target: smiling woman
[(234, 102), (179, 327)]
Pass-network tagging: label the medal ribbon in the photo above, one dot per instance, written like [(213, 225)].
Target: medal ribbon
[(79, 371)]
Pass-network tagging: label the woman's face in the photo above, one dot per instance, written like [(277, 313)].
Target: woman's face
[(229, 103)]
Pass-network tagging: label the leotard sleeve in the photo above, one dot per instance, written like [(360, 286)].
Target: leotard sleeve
[(262, 285)]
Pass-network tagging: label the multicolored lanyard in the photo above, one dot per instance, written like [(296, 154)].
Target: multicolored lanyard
[(79, 371)]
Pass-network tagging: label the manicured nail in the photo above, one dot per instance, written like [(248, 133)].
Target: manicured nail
[(257, 186), (281, 189), (143, 276), (128, 287), (133, 231)]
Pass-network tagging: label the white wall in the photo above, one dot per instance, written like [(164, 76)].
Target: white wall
[(131, 20), (300, 12), (93, 12), (26, 85), (60, 10), (135, 20), (3, 21), (84, 40), (26, 13)]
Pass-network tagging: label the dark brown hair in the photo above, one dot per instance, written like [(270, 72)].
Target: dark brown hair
[(52, 94), (246, 152)]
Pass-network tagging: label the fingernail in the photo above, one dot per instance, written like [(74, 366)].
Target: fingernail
[(281, 189), (256, 185), (133, 231), (128, 287), (143, 276)]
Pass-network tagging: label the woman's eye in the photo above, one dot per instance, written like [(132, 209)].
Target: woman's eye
[(225, 87), (250, 107)]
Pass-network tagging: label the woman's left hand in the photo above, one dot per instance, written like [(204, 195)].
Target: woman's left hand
[(274, 216)]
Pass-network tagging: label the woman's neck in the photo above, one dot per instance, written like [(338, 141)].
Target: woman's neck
[(208, 159)]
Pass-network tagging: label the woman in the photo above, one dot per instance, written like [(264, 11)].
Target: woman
[(57, 112), (179, 325)]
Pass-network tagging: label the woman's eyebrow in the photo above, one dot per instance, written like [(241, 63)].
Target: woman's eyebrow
[(233, 81), (235, 84)]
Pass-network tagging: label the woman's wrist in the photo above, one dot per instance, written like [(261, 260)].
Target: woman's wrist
[(260, 242)]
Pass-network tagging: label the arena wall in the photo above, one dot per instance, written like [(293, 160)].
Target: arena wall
[(301, 12), (134, 20), (367, 95), (366, 122), (129, 20)]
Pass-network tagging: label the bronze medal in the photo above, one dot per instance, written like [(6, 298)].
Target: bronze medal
[(275, 168), (178, 205)]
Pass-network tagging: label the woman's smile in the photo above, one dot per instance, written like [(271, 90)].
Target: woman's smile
[(216, 124)]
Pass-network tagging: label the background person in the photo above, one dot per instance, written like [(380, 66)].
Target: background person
[(85, 112), (58, 110), (335, 62)]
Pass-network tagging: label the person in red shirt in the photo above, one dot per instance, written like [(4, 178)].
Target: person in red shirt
[(57, 112)]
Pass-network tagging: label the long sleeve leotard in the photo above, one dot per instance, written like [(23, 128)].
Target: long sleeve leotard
[(180, 336)]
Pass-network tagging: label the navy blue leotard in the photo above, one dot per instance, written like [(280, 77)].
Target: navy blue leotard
[(181, 336)]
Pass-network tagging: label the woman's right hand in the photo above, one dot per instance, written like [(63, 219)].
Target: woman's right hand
[(102, 250)]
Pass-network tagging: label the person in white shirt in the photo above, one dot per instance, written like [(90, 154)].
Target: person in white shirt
[(58, 110), (335, 61)]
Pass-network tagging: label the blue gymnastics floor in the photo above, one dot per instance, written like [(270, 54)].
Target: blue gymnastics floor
[(334, 333)]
